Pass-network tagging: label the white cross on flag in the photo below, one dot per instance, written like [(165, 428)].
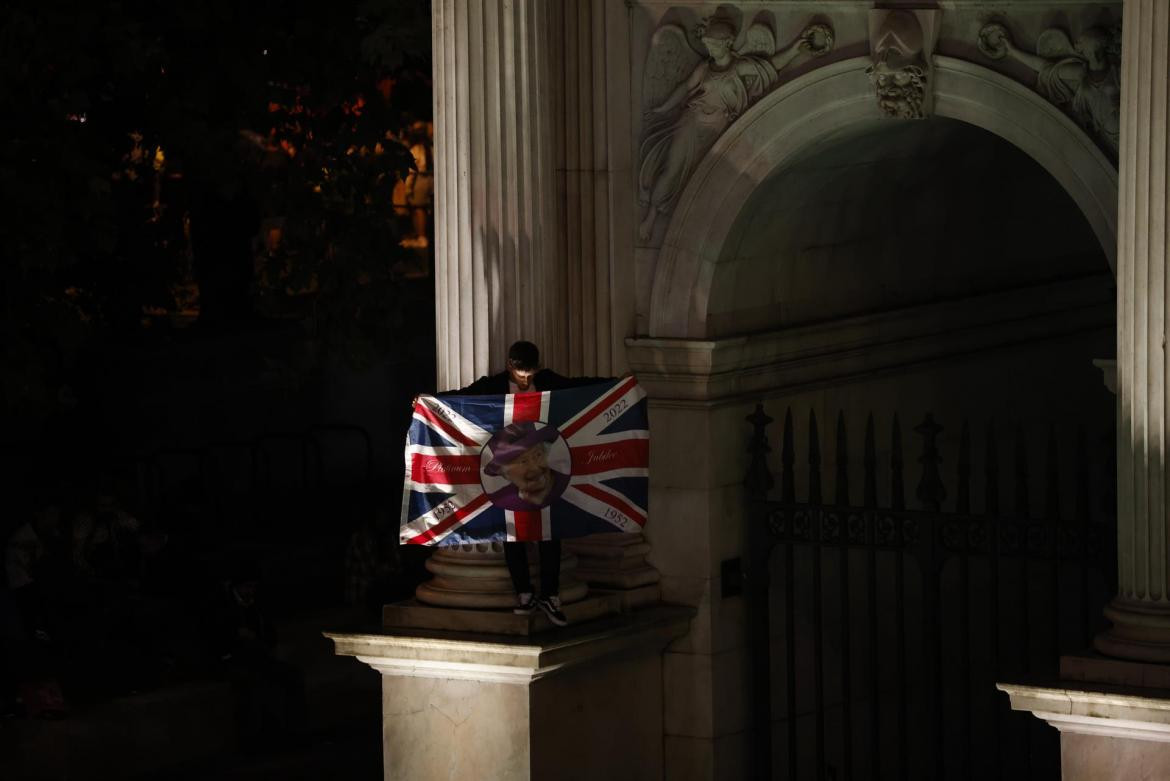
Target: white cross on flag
[(526, 466)]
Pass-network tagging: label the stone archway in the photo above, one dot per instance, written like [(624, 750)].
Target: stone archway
[(826, 100)]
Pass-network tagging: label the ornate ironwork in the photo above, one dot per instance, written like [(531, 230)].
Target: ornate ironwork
[(926, 555)]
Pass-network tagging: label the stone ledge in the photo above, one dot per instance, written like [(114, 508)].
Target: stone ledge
[(413, 614), (1096, 709), (1092, 667), (636, 597), (509, 659), (689, 371)]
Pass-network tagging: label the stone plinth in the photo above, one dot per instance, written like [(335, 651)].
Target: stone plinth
[(476, 576), (1113, 716), (616, 564), (585, 703)]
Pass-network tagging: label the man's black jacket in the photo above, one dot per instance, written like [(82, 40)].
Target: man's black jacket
[(545, 380)]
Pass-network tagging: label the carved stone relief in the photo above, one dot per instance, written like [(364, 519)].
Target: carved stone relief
[(693, 95), (901, 44), (1083, 78)]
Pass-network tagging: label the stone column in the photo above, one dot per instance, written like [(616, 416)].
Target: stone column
[(497, 276), (532, 140), (593, 160), (1141, 611)]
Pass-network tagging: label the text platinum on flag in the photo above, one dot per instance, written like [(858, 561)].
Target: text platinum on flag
[(527, 466)]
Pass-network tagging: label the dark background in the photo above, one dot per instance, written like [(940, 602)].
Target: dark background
[(217, 304)]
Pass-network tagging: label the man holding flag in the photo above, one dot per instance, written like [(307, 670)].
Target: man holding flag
[(548, 457)]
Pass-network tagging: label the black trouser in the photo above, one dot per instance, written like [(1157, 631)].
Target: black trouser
[(516, 554)]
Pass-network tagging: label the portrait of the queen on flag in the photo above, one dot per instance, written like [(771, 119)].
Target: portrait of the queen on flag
[(527, 466)]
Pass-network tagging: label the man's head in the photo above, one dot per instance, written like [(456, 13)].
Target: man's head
[(520, 454), (523, 363)]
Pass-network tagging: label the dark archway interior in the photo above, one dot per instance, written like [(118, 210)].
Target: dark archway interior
[(1008, 423), (886, 215)]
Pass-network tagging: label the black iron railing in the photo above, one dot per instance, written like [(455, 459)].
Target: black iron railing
[(888, 627)]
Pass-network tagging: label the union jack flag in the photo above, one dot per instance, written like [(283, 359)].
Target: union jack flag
[(526, 466)]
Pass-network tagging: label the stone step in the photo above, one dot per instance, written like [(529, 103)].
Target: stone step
[(619, 578)]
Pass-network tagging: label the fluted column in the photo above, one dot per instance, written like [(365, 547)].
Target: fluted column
[(497, 275), (593, 158), (1141, 611), (532, 147)]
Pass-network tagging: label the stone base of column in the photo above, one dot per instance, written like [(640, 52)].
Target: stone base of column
[(586, 703), (1113, 716), (412, 614), (471, 591), (476, 576), (616, 564), (1140, 631)]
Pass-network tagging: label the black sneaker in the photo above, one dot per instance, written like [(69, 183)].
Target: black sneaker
[(552, 608), (525, 604)]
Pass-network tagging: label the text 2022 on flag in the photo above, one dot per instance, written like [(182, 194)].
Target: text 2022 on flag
[(526, 466)]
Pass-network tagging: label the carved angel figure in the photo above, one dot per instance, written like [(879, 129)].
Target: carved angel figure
[(693, 98), (1084, 78)]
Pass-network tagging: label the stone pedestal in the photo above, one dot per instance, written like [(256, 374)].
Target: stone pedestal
[(1113, 717), (616, 564), (586, 703), (471, 591)]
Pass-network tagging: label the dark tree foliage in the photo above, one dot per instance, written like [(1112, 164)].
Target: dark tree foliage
[(142, 143)]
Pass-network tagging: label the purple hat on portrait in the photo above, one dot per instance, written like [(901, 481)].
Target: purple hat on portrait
[(513, 441)]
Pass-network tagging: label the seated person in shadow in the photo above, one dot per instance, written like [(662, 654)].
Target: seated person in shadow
[(269, 692)]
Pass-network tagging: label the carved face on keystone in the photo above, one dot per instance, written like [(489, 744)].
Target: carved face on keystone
[(898, 72)]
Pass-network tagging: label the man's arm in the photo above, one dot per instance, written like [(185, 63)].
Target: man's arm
[(484, 386), (550, 380)]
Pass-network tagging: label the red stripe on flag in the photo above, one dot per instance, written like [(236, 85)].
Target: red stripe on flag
[(613, 501), (444, 470), (598, 408), (624, 454), (449, 521), (526, 406), (528, 526), (452, 433)]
